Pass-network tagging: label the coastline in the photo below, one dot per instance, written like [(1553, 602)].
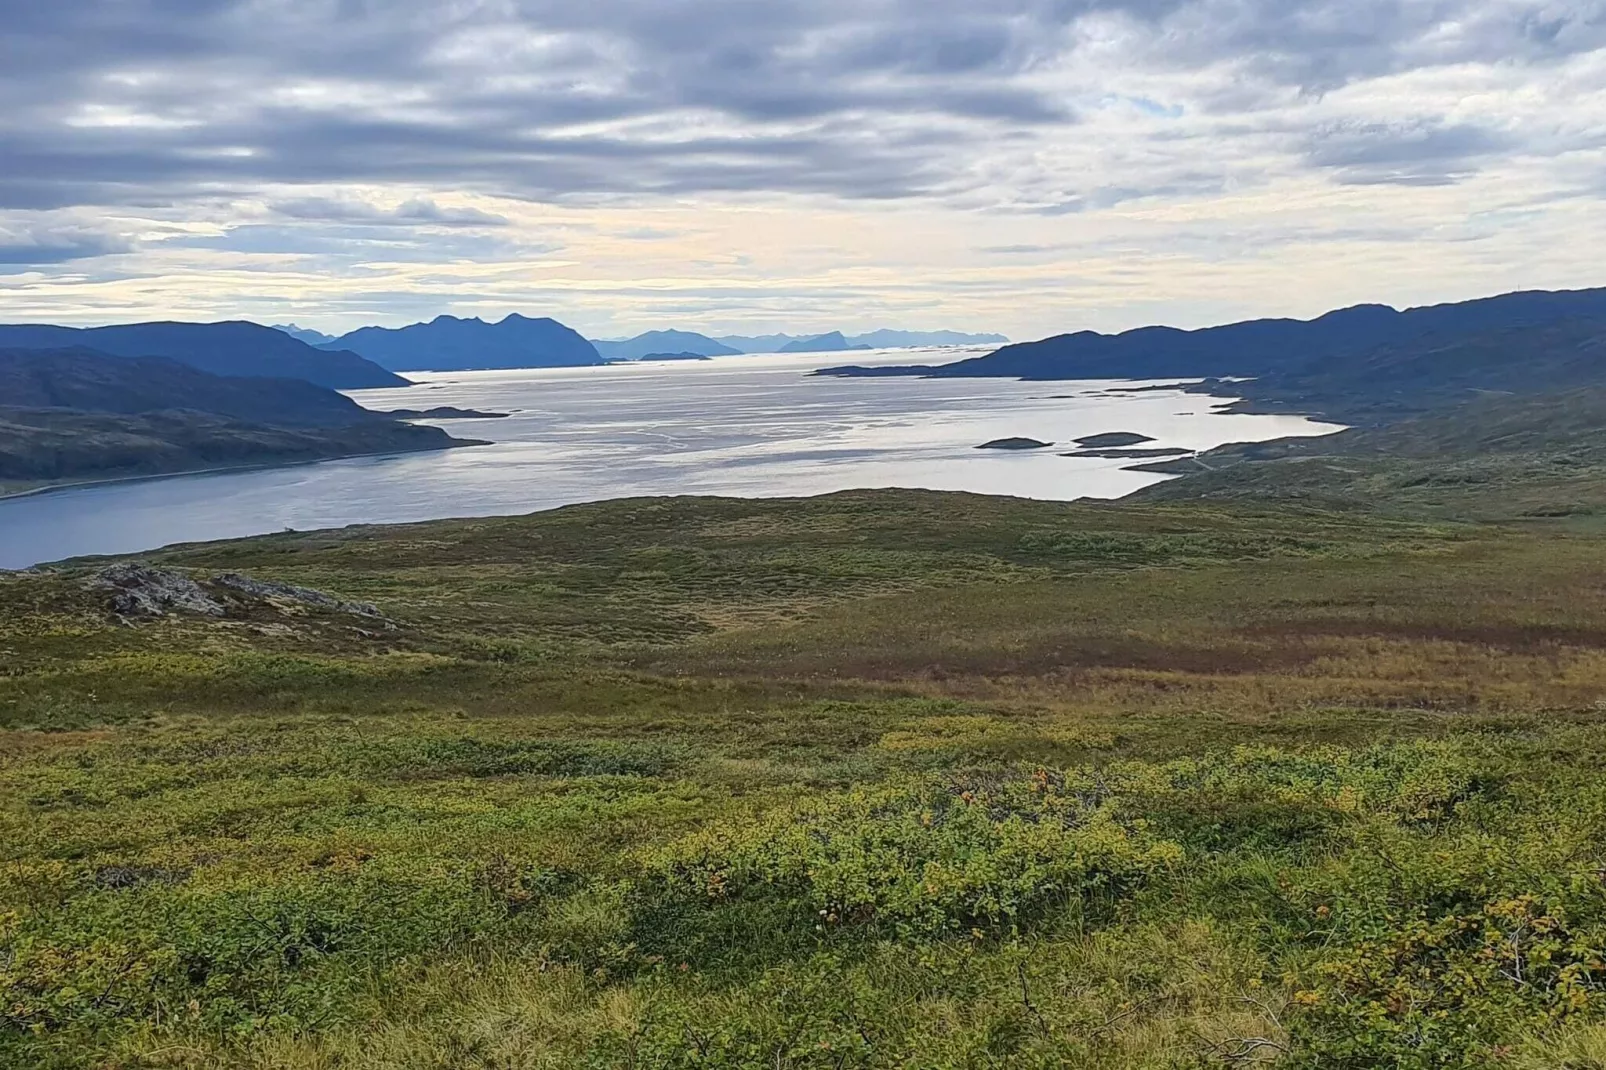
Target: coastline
[(146, 477)]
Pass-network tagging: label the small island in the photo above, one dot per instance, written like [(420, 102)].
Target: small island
[(444, 412), (1014, 444), (675, 356), (1113, 440), (880, 371), (1119, 454)]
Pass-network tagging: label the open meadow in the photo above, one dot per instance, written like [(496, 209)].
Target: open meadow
[(879, 779)]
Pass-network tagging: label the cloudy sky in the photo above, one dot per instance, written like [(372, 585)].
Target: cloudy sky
[(1027, 166)]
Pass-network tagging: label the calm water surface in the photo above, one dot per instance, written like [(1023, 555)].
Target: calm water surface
[(755, 426)]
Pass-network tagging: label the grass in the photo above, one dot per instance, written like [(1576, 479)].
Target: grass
[(1497, 457), (878, 779)]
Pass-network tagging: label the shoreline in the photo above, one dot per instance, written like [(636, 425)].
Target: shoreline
[(51, 488)]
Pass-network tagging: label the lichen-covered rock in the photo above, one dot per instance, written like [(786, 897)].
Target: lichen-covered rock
[(290, 592), (138, 590)]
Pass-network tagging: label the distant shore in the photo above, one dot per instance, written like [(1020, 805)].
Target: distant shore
[(51, 486)]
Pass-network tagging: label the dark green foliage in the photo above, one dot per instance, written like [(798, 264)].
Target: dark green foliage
[(874, 780), (1491, 458)]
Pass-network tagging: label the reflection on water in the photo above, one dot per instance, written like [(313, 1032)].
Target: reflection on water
[(752, 426)]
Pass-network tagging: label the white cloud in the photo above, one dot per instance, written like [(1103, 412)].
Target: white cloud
[(1027, 166)]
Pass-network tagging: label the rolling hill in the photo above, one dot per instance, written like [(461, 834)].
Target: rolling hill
[(1259, 347), (75, 414), (82, 378), (233, 348)]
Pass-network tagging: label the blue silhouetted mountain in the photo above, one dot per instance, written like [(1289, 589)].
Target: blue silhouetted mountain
[(235, 348), (663, 342), (761, 343), (1261, 347), (821, 343), (305, 334), (882, 339), (447, 343)]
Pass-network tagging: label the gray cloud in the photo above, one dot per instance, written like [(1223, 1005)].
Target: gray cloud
[(43, 244), (152, 101), (1414, 154), (419, 211), (1320, 45)]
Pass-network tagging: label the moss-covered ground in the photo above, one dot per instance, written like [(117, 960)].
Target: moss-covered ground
[(881, 779)]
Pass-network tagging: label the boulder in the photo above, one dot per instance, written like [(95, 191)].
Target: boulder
[(271, 590), (138, 590)]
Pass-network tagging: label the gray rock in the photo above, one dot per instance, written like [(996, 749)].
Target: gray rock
[(138, 590), (305, 595)]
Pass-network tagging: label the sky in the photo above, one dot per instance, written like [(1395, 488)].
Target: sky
[(742, 166)]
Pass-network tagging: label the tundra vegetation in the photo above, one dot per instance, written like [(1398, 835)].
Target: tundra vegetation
[(880, 779)]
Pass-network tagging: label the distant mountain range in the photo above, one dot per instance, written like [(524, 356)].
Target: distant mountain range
[(305, 334), (1260, 348), (643, 345), (837, 341), (234, 348), (729, 345), (371, 357), (447, 343), (885, 339), (824, 343)]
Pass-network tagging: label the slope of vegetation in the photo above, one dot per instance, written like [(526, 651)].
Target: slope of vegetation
[(97, 382), (72, 415), (1496, 457), (1437, 372), (881, 779), (41, 447)]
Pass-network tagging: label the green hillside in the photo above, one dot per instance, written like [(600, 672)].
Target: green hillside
[(1492, 458), (881, 779)]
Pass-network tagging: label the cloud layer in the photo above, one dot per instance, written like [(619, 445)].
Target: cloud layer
[(149, 140)]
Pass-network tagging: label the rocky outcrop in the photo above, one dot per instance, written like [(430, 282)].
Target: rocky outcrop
[(1014, 444), (271, 591), (139, 590)]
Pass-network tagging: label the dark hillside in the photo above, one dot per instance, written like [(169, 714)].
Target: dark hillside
[(75, 415), (81, 378), (1436, 370), (234, 348), (39, 446), (1262, 347)]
